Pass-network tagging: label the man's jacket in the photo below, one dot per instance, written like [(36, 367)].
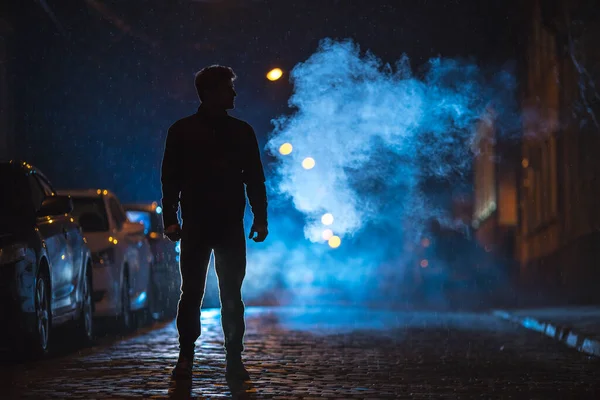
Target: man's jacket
[(208, 158)]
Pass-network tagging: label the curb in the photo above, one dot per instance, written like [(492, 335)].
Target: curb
[(562, 334)]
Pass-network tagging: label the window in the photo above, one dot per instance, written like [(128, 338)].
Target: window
[(48, 191), (37, 193), (90, 213), (117, 212)]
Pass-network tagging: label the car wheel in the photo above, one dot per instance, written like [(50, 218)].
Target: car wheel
[(126, 314), (41, 338), (85, 325)]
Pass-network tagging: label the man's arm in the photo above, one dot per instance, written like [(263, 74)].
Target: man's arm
[(254, 178), (171, 178)]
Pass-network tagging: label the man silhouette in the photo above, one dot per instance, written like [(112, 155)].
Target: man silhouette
[(208, 158)]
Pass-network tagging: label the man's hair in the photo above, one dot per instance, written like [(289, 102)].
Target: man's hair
[(209, 78)]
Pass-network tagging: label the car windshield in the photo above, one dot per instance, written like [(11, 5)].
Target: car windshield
[(141, 216), (90, 212)]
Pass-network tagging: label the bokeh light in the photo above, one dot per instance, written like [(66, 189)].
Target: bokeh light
[(334, 242), (327, 219), (327, 234), (274, 74), (308, 163), (285, 149)]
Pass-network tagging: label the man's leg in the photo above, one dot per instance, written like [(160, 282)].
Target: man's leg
[(230, 265), (195, 256)]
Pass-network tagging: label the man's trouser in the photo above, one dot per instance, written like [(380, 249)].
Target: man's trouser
[(198, 240)]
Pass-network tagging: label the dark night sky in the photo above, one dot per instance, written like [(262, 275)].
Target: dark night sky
[(93, 103)]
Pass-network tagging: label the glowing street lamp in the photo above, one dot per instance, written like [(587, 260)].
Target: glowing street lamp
[(308, 163), (274, 74), (334, 242), (285, 149), (327, 219)]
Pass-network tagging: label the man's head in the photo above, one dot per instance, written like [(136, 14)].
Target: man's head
[(214, 85)]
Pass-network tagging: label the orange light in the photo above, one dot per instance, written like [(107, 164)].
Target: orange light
[(274, 74), (105, 192), (308, 163), (285, 149), (334, 242)]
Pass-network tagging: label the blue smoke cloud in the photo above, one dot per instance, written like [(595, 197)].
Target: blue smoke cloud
[(379, 135)]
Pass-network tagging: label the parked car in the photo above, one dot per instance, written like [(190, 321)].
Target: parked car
[(121, 255), (166, 279), (45, 264)]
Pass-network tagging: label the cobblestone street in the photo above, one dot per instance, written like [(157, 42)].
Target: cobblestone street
[(326, 353)]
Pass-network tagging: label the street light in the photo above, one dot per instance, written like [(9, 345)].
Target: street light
[(327, 219), (334, 242), (285, 149), (274, 74), (308, 163)]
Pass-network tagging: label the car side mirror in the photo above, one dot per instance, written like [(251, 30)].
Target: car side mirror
[(133, 228), (56, 205)]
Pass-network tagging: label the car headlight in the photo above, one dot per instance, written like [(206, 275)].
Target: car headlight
[(12, 253), (104, 257)]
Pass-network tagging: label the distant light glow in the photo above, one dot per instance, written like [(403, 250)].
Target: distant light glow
[(177, 248), (115, 241), (424, 263), (274, 74), (285, 149), (141, 298), (105, 192), (327, 219), (308, 163), (62, 257), (158, 209), (327, 234), (334, 242), (425, 242)]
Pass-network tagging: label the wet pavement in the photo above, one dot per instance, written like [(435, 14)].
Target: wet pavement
[(334, 353)]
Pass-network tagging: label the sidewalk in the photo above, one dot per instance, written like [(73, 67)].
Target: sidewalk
[(576, 327)]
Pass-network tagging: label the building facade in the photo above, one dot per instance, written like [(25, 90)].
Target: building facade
[(495, 211), (558, 240)]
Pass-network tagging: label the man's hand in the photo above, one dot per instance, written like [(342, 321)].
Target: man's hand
[(260, 230), (173, 232)]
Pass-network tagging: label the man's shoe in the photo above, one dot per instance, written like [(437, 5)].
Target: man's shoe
[(183, 368), (235, 370)]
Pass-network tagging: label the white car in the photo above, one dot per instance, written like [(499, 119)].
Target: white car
[(121, 254)]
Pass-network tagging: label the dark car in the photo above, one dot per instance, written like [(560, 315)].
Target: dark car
[(45, 264), (165, 270)]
